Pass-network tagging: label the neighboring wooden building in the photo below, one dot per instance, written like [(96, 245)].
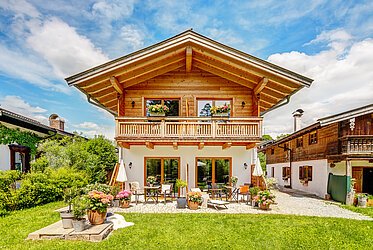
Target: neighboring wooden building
[(341, 145), (15, 156), (189, 73)]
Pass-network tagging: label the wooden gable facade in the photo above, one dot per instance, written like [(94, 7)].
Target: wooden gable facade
[(188, 67)]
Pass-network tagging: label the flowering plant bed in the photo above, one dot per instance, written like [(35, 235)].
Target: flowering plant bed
[(195, 197), (98, 201), (264, 199), (157, 109), (124, 195)]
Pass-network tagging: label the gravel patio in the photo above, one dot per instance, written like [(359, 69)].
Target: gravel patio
[(288, 202)]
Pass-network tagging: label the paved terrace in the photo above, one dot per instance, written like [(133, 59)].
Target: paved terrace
[(294, 203)]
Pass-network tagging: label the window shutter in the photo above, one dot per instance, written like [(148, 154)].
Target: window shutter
[(284, 172), (300, 173), (310, 173), (288, 171)]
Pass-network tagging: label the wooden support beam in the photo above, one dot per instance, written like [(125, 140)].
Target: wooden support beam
[(120, 105), (174, 144), (256, 105), (260, 85), (250, 146), (149, 145), (201, 145), (189, 56), (124, 145), (117, 86), (226, 145)]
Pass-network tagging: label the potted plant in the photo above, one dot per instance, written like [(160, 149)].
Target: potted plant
[(67, 216), (124, 197), (98, 203), (181, 201), (195, 198), (151, 180), (222, 110), (370, 201), (271, 183), (79, 210), (114, 192), (234, 180), (264, 199), (253, 192), (362, 200), (157, 110)]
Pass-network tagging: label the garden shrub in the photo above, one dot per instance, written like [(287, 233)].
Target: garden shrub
[(40, 164)]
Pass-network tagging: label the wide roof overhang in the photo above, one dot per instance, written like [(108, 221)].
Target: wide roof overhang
[(103, 83)]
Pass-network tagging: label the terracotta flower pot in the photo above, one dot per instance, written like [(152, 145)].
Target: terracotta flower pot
[(96, 217), (264, 207), (193, 205), (124, 204)]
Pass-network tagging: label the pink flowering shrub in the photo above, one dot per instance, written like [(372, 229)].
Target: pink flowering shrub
[(124, 195), (98, 200), (265, 198)]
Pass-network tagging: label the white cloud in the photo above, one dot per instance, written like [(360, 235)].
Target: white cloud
[(17, 105), (113, 10), (90, 129), (131, 37), (341, 83), (20, 7), (64, 49)]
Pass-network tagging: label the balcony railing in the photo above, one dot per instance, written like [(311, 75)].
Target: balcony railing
[(357, 145), (188, 128)]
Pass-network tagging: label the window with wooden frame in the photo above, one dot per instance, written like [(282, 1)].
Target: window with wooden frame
[(272, 151), (285, 173), (299, 142), (172, 103), (305, 173), (273, 172), (204, 105), (312, 138)]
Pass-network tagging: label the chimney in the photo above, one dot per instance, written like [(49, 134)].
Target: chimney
[(56, 122), (297, 119)]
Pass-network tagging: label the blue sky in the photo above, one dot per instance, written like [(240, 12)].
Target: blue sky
[(42, 42)]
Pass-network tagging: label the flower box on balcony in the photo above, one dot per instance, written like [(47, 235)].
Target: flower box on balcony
[(220, 115), (157, 114)]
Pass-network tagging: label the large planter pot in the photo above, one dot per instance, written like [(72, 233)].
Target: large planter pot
[(181, 202), (193, 205), (264, 207), (96, 217), (79, 225), (124, 204), (362, 201), (370, 203), (156, 114), (67, 220)]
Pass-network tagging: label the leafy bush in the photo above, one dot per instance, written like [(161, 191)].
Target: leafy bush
[(8, 178), (40, 164)]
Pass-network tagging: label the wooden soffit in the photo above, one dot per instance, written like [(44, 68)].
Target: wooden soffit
[(187, 50)]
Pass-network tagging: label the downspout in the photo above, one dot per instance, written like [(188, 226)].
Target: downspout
[(290, 161)]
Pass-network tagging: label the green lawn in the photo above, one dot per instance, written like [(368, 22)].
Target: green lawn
[(198, 231), (367, 211)]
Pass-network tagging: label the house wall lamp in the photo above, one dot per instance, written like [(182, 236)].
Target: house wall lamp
[(245, 165), (133, 104), (130, 164), (243, 104)]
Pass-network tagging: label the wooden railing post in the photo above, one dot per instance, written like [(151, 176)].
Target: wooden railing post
[(163, 128), (213, 129)]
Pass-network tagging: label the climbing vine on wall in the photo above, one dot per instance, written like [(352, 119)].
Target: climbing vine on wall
[(9, 135)]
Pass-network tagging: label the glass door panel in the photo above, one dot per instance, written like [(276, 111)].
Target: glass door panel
[(173, 106), (222, 172), (154, 168), (171, 172), (204, 173)]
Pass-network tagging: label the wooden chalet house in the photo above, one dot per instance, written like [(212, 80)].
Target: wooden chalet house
[(188, 73), (322, 157)]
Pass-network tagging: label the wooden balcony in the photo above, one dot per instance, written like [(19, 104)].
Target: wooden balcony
[(357, 145), (238, 131)]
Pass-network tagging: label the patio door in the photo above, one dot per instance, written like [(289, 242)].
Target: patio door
[(213, 171), (164, 169)]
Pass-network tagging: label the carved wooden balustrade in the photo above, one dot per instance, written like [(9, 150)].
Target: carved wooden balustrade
[(357, 145)]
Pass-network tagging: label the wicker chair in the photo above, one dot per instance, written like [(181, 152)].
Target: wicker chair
[(136, 191)]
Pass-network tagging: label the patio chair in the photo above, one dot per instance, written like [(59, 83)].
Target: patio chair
[(244, 191), (215, 191), (136, 191), (166, 191)]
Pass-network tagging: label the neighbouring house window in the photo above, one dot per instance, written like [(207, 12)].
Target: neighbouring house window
[(300, 142), (19, 158), (305, 173), (285, 173), (172, 104), (313, 138), (210, 171), (286, 147), (272, 151), (203, 106), (165, 170), (273, 172)]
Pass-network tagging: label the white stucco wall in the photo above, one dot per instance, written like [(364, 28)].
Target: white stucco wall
[(187, 155), (4, 157), (317, 186)]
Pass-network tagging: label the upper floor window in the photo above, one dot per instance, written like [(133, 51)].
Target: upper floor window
[(172, 104), (300, 142), (313, 137), (204, 105), (272, 151), (305, 173)]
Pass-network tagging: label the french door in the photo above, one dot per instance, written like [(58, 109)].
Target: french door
[(213, 170), (164, 169)]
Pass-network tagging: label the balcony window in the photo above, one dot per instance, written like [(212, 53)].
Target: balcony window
[(205, 105), (172, 104)]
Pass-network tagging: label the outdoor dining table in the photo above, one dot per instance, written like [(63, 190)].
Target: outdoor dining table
[(232, 193), (151, 193), (215, 191)]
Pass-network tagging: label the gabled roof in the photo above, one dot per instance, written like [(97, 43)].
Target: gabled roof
[(353, 113), (13, 120), (189, 49)]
